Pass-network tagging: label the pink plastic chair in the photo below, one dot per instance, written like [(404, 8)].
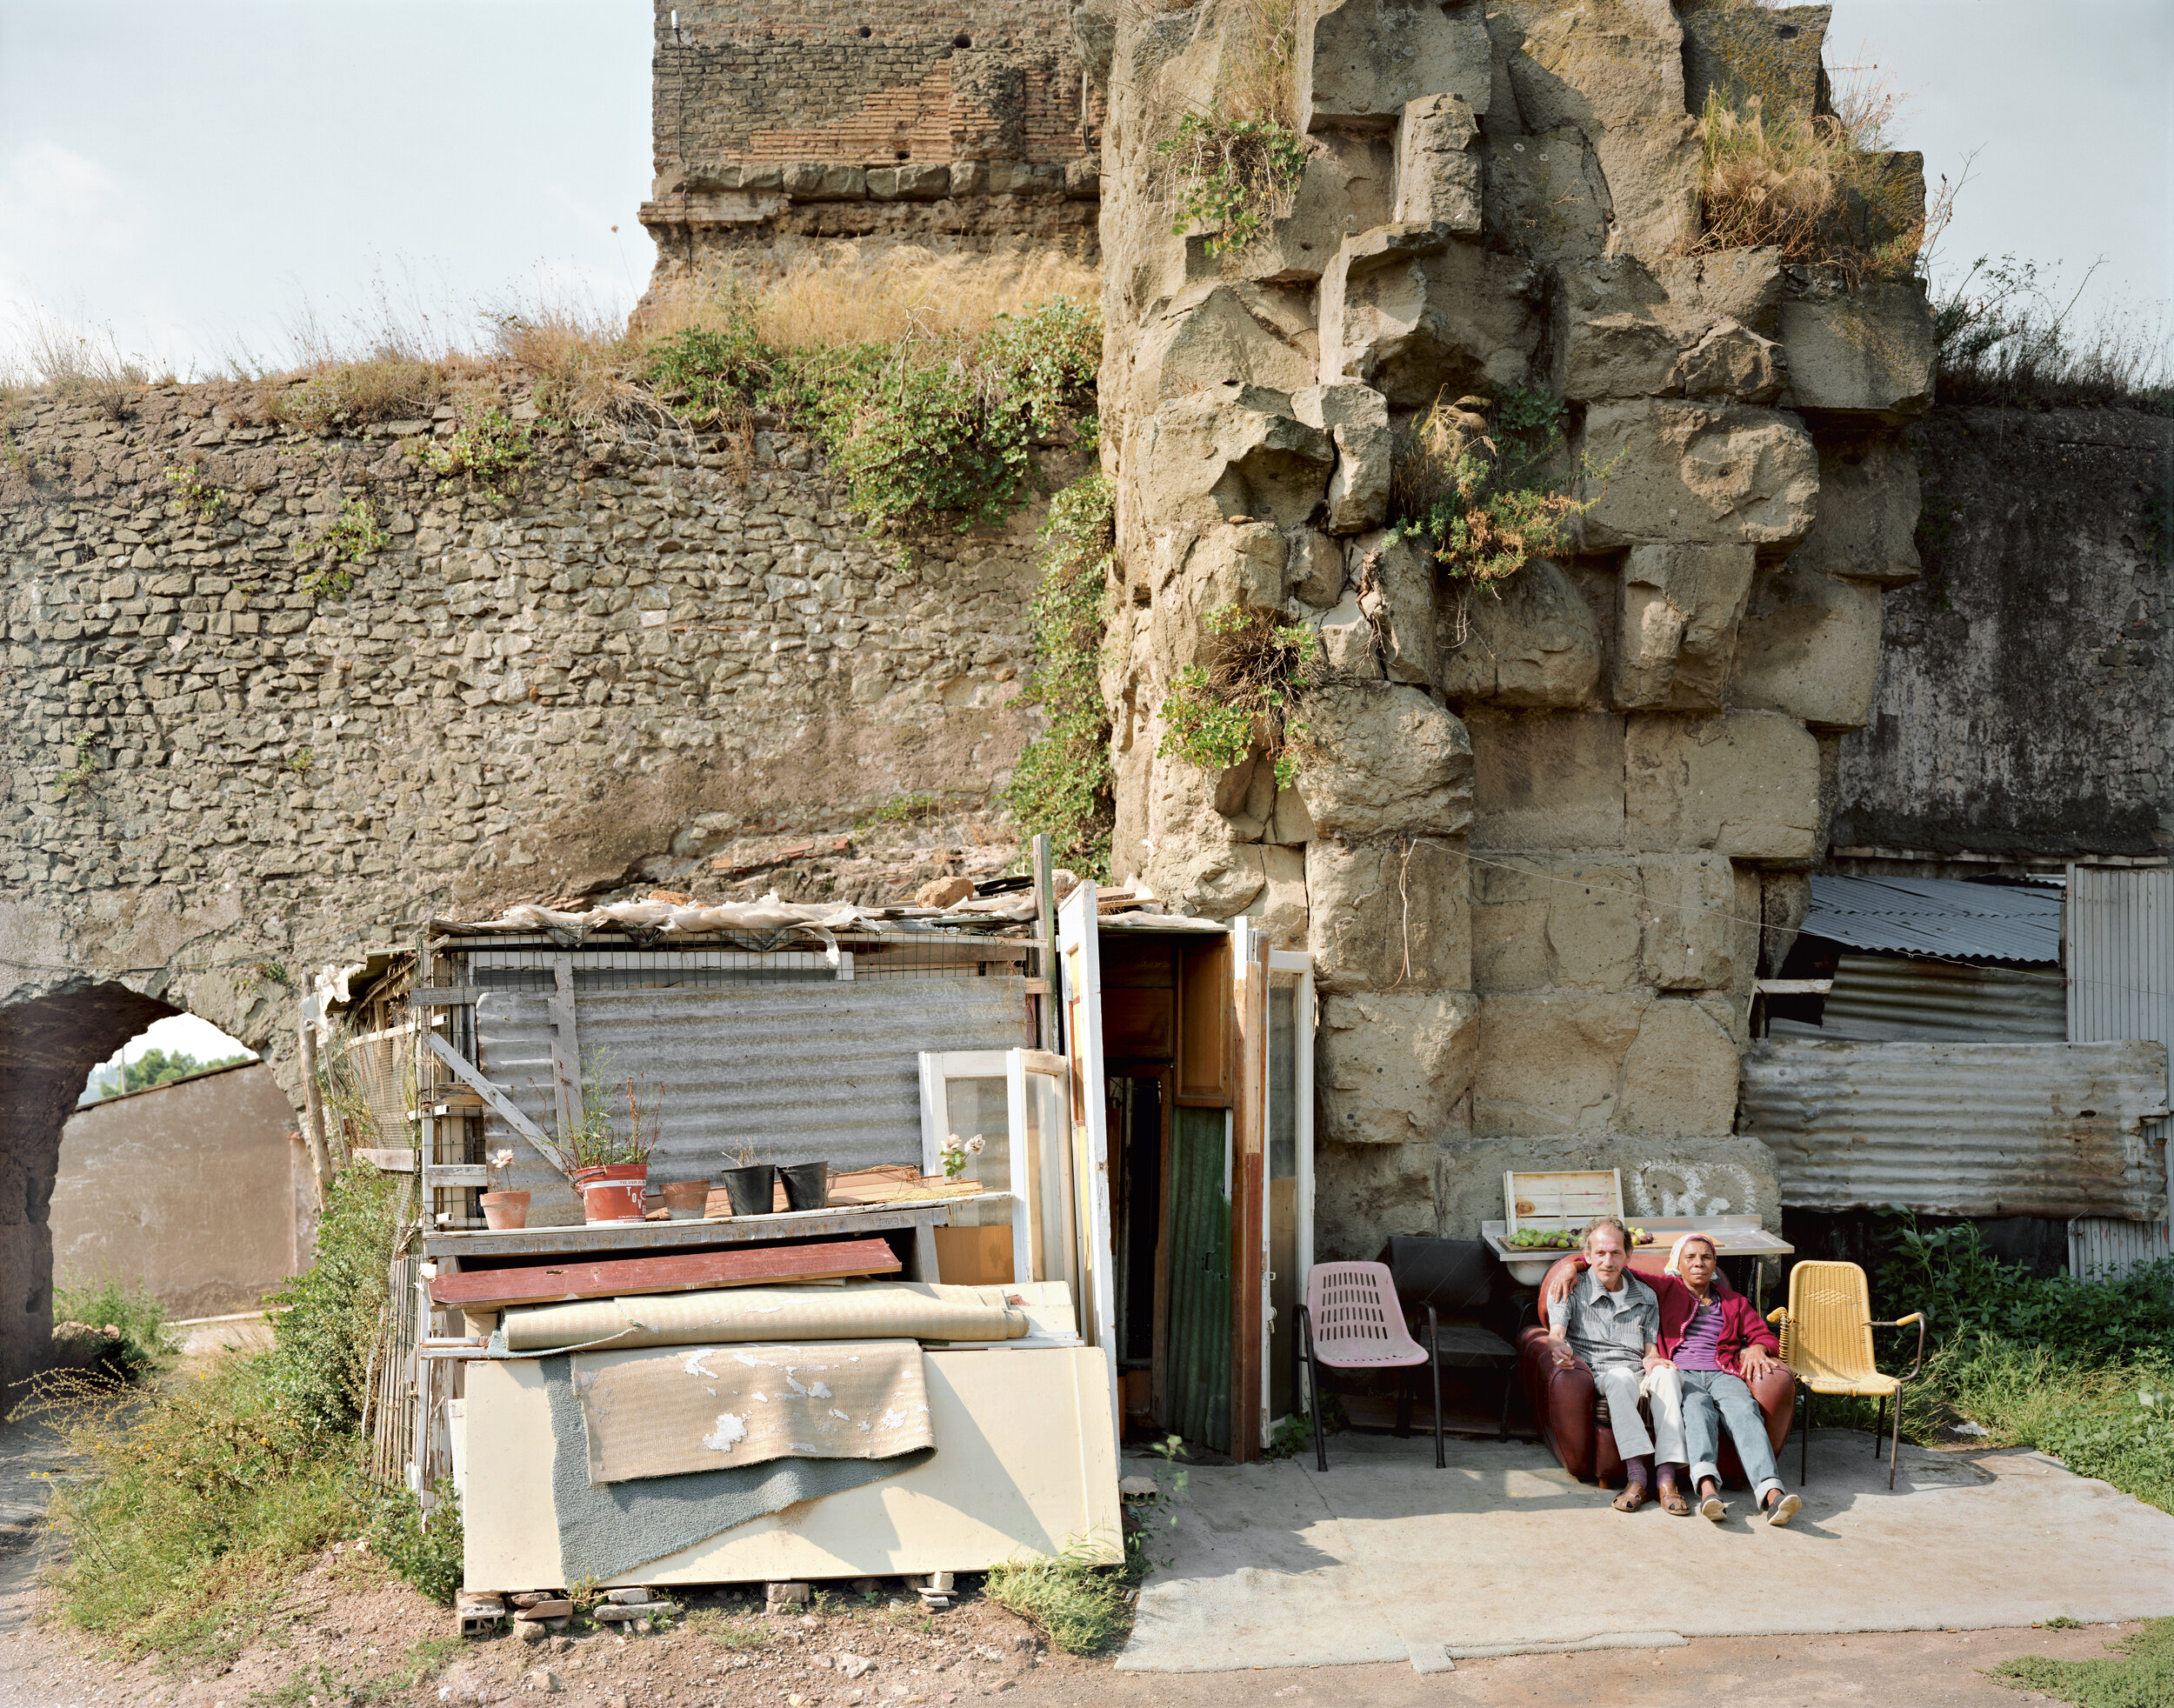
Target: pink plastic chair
[(1351, 1320)]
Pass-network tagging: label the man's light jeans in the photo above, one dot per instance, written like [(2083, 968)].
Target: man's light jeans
[(1622, 1386), (1709, 1398)]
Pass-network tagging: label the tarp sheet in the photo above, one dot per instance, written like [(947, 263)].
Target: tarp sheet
[(875, 1311)]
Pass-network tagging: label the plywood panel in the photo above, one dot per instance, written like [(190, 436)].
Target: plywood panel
[(1026, 1461), (1203, 1025)]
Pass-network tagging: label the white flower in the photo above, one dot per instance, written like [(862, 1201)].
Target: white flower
[(976, 1146), (953, 1146), (501, 1159)]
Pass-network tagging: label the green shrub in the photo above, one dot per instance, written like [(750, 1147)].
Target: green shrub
[(486, 449), (1236, 177), (1062, 785), (125, 1322), (926, 431), (422, 1548), (320, 1355)]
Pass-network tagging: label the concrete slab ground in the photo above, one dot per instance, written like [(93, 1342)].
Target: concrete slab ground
[(1385, 1559)]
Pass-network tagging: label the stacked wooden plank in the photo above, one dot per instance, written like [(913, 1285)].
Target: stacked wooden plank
[(480, 1291)]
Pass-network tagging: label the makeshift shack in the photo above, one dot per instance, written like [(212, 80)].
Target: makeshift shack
[(1035, 1206)]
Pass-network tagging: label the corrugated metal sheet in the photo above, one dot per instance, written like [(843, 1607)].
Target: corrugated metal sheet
[(1198, 1395), (797, 1071), (2101, 1248), (1933, 916), (1961, 1128), (2121, 963), (1886, 998)]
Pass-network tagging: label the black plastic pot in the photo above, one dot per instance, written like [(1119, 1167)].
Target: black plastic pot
[(750, 1189), (807, 1185)]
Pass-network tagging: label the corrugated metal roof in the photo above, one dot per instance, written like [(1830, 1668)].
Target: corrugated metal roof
[(1961, 1128), (798, 1071), (1937, 916), (2121, 950), (1889, 998)]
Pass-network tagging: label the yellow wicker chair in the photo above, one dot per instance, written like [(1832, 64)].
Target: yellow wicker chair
[(1826, 1332)]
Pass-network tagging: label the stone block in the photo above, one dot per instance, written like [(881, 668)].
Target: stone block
[(1438, 174), (1868, 355), (1360, 63), (914, 182), (1607, 922), (1680, 607), (1547, 779), (1651, 168), (1413, 314), (1697, 474), (1624, 1061), (1530, 641), (1547, 189), (1345, 188), (1701, 326), (1740, 52), (1809, 647), (1314, 568), (1348, 649), (1784, 900), (1281, 908), (1215, 332), (1743, 783), (1365, 1193), (1868, 512), (1240, 564), (1395, 1067), (1380, 760), (825, 181), (1389, 913), (1685, 1175), (1357, 417), (1394, 580), (1204, 877), (1230, 451)]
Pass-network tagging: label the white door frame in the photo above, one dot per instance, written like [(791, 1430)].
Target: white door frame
[(1079, 966)]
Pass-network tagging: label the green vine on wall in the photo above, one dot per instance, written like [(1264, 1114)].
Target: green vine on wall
[(1245, 695), (1062, 785)]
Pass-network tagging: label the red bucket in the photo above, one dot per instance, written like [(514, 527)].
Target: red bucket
[(613, 1192)]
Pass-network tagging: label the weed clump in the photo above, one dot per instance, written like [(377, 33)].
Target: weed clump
[(1081, 1608), (2003, 341), (384, 385), (485, 452), (1485, 497), (1244, 697), (1062, 785), (125, 1326), (2137, 1672)]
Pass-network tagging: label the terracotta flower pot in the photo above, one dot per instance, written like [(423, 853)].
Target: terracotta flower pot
[(686, 1199), (506, 1210), (612, 1192)]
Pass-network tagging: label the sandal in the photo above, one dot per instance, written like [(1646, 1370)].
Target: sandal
[(1672, 1501), (1633, 1497)]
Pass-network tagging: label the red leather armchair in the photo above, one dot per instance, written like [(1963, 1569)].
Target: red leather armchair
[(1562, 1404)]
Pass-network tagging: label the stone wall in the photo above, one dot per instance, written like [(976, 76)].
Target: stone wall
[(657, 658), (2025, 708), (956, 126), (1540, 845)]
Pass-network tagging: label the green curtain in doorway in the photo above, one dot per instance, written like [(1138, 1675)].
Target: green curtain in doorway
[(1197, 1372)]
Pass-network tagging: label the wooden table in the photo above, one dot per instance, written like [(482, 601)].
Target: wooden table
[(1740, 1237)]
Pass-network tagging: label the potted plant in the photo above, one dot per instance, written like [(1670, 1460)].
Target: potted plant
[(749, 1185), (502, 1207), (611, 1169)]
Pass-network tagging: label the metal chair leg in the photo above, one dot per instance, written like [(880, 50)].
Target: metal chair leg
[(1894, 1445), (1803, 1450), (1434, 1365), (1879, 1424), (1313, 1386)]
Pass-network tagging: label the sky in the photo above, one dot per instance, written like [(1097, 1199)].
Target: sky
[(192, 173)]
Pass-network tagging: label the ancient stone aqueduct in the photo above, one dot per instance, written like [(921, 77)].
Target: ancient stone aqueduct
[(1543, 844)]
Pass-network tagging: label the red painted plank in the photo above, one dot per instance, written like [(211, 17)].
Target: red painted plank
[(742, 1266)]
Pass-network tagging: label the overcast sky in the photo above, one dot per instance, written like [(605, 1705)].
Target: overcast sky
[(192, 171)]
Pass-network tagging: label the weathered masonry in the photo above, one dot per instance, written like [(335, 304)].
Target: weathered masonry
[(956, 126), (1540, 847), (218, 780)]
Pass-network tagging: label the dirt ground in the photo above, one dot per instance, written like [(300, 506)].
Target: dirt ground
[(343, 1634)]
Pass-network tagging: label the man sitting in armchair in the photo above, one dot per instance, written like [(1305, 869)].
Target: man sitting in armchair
[(1717, 1344), (1611, 1320)]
